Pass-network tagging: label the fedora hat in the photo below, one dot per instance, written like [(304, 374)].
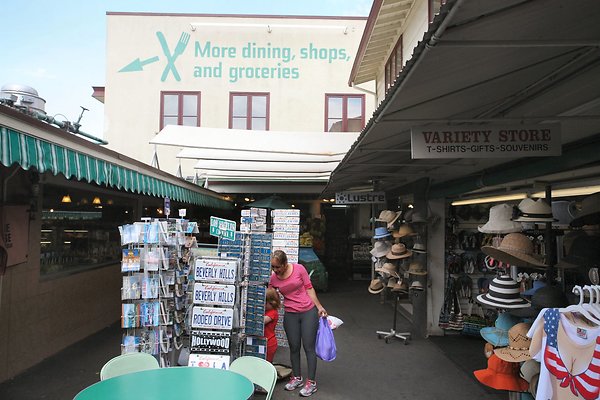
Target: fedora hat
[(585, 251), (419, 247), (376, 286), (503, 293), (416, 268), (380, 248), (518, 344), (398, 251), (515, 249), (530, 210), (381, 233), (501, 375), (388, 216), (500, 221), (388, 268), (404, 230), (416, 285), (497, 335), (400, 286), (589, 213)]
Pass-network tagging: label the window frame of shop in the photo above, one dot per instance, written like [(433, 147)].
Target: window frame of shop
[(81, 228), (181, 114), (393, 65), (344, 117), (249, 110)]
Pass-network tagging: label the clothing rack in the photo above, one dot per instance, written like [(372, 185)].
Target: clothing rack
[(392, 334)]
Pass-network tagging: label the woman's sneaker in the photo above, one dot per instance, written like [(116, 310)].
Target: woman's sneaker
[(294, 383), (309, 388)]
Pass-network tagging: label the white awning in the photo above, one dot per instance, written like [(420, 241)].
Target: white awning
[(259, 155)]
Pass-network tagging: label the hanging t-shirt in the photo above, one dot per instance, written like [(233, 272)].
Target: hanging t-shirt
[(569, 357), (293, 289)]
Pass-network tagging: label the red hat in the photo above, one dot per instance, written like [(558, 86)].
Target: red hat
[(501, 375)]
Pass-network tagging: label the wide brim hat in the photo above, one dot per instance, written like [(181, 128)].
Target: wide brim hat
[(504, 293), (380, 248), (404, 230), (500, 221), (515, 249), (501, 375), (376, 286), (388, 268), (416, 268), (398, 251), (497, 335), (585, 251), (517, 349), (388, 216), (589, 214), (381, 233), (530, 210)]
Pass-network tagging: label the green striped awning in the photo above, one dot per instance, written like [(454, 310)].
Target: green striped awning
[(28, 151)]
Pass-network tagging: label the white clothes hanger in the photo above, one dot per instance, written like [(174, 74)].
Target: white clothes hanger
[(595, 305), (579, 308)]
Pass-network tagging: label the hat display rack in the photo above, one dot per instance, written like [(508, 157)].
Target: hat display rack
[(395, 264)]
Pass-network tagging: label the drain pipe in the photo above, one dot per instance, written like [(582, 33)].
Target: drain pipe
[(67, 126)]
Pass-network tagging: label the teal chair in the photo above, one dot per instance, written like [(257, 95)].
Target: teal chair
[(259, 371), (126, 363)]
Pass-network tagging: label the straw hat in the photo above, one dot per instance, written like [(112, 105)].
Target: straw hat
[(503, 293), (398, 251), (416, 285), (400, 286), (501, 375), (589, 213), (380, 248), (388, 268), (376, 286), (530, 210), (499, 221), (388, 216), (515, 249), (416, 268), (419, 247), (404, 230), (381, 233), (518, 344)]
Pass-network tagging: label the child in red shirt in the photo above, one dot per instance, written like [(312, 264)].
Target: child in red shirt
[(272, 304)]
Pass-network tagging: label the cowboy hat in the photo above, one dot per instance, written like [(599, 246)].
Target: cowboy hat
[(518, 344), (589, 214), (503, 293), (515, 249), (398, 251), (388, 216), (499, 221), (530, 210)]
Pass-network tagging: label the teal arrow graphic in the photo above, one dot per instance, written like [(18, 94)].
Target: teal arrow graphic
[(138, 65)]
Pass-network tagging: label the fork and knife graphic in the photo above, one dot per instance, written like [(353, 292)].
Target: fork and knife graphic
[(171, 57)]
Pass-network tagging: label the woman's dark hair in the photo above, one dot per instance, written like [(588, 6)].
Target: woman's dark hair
[(280, 256)]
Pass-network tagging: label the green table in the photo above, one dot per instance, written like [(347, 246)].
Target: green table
[(189, 383)]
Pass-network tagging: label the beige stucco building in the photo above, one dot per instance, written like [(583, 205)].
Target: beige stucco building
[(275, 73)]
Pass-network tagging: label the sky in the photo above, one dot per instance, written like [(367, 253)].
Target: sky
[(59, 47)]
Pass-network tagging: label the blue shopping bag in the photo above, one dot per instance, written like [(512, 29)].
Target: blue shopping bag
[(325, 346)]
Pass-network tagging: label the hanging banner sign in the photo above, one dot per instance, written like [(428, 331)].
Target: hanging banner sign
[(212, 318), (214, 294), (210, 341), (482, 141), (215, 270), (359, 197)]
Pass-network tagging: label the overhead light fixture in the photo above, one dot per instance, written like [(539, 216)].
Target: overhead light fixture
[(66, 199), (246, 198), (293, 205), (339, 206), (490, 199), (96, 200), (567, 192)]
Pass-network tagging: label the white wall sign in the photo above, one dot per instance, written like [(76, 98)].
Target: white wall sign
[(215, 270), (483, 141), (214, 294), (212, 318), (359, 197)]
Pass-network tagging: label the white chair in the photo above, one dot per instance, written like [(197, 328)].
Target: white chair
[(127, 363), (259, 371)]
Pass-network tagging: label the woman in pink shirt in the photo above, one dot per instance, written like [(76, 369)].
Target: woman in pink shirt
[(301, 318)]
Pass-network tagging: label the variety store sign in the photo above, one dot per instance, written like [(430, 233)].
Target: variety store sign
[(482, 141)]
